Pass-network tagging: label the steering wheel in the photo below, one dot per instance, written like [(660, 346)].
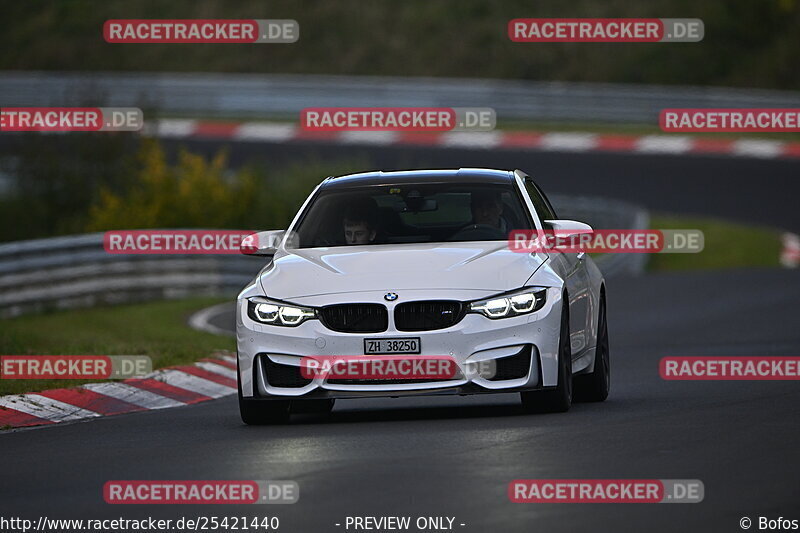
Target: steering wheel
[(478, 232)]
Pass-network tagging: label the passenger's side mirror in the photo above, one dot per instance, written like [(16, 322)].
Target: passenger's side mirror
[(566, 228), (263, 243)]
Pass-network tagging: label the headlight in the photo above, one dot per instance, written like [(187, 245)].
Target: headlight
[(517, 303), (278, 313)]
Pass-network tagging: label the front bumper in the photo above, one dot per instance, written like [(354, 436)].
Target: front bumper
[(474, 339)]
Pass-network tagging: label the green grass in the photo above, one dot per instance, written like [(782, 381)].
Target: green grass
[(727, 245), (156, 329)]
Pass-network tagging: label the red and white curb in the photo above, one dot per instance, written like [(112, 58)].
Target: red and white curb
[(205, 380), (517, 140), (790, 253)]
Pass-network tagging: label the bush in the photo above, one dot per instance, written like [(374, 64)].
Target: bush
[(200, 193), (192, 193), (69, 184)]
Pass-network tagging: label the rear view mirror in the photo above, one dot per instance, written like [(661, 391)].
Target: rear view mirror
[(416, 202), (419, 205)]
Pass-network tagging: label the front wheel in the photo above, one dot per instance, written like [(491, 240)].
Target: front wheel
[(264, 412), (559, 399), (261, 412), (594, 387)]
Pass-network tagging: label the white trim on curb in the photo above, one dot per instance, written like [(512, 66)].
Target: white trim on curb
[(554, 141), (217, 369), (134, 395), (46, 408)]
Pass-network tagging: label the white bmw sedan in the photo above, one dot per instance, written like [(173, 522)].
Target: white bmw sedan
[(386, 268)]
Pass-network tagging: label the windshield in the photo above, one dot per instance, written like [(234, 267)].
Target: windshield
[(412, 213)]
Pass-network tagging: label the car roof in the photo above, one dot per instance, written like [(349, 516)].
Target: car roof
[(461, 175)]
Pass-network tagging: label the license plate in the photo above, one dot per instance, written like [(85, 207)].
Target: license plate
[(387, 346)]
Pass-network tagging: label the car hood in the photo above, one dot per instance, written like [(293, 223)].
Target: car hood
[(489, 266)]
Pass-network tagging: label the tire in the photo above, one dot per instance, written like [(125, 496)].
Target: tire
[(558, 399), (261, 412), (594, 387)]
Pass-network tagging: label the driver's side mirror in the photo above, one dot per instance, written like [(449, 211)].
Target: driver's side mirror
[(263, 243)]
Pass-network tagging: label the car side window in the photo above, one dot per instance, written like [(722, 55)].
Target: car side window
[(543, 208)]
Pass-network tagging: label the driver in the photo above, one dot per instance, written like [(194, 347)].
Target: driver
[(359, 225), (487, 209)]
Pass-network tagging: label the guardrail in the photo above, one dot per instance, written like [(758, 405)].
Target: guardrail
[(75, 271), (276, 95)]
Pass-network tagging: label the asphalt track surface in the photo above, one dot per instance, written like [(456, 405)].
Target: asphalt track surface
[(745, 189), (455, 456)]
